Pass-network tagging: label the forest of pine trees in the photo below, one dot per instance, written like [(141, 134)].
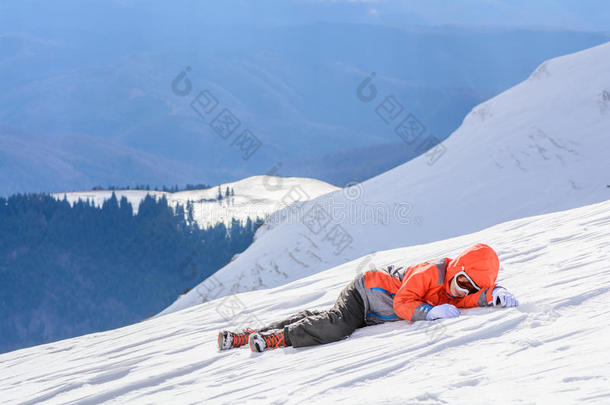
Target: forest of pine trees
[(70, 270), (171, 189)]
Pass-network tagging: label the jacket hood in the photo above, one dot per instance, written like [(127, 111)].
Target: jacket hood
[(479, 261)]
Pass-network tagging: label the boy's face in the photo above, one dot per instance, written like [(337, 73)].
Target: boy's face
[(461, 286)]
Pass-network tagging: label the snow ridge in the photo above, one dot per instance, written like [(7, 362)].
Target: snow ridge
[(255, 197)]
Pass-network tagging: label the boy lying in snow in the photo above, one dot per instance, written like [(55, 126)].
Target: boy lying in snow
[(427, 291)]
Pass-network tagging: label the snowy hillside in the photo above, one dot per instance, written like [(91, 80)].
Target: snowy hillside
[(256, 196), (538, 147), (551, 349)]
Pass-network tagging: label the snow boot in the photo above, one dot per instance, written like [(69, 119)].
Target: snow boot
[(227, 339), (262, 341)]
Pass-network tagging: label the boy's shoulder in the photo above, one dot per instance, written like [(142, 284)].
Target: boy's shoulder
[(434, 269)]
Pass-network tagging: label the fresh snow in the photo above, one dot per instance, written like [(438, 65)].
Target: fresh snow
[(255, 197), (538, 147), (553, 348)]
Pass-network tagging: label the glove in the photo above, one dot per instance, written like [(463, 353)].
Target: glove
[(442, 311), (502, 298)]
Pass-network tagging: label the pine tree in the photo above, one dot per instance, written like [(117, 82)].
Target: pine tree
[(190, 217)]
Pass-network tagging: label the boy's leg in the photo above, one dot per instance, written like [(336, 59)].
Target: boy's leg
[(292, 319), (228, 339), (329, 326)]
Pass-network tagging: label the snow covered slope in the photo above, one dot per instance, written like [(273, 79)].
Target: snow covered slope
[(551, 349), (538, 147), (256, 196)]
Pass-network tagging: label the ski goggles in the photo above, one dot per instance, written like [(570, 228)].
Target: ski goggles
[(468, 286)]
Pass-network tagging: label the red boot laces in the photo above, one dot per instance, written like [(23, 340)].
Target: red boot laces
[(241, 339), (275, 339)]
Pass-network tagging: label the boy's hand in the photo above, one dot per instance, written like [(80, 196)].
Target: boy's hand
[(442, 311), (502, 298)]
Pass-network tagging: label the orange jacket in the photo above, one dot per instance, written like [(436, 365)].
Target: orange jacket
[(424, 285)]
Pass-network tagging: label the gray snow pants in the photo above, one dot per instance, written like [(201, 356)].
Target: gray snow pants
[(313, 327)]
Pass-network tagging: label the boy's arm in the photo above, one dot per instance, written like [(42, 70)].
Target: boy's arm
[(408, 301)]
